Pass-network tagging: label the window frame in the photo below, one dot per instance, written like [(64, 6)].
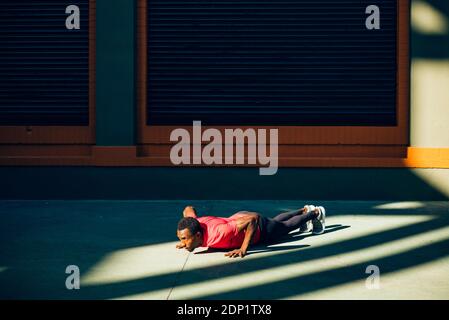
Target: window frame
[(369, 136)]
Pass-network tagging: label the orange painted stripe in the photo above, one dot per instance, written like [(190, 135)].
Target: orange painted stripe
[(427, 158)]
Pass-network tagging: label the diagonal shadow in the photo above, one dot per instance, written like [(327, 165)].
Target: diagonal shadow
[(431, 46), (296, 235), (337, 276), (263, 263)]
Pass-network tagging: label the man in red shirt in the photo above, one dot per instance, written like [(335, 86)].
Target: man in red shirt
[(244, 228)]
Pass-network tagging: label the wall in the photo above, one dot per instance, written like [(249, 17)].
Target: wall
[(429, 121), (115, 78), (115, 103), (430, 73)]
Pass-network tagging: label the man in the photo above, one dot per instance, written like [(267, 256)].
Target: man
[(244, 228)]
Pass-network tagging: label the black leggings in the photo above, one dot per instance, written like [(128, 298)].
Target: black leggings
[(279, 226)]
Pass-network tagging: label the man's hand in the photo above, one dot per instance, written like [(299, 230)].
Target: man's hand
[(189, 211), (249, 222), (180, 246), (236, 253)]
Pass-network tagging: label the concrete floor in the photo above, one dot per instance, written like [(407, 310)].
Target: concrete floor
[(126, 250)]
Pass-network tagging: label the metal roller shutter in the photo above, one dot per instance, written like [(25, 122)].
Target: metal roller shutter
[(268, 62), (44, 77)]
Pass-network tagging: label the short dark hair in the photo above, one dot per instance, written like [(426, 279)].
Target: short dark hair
[(190, 223)]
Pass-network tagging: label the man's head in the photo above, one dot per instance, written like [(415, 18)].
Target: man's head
[(190, 233)]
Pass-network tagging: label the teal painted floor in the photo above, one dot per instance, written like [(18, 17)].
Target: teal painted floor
[(126, 250)]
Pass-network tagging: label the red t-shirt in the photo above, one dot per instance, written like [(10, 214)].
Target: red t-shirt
[(222, 233)]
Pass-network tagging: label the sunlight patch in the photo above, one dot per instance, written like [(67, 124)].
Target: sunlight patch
[(427, 19), (135, 263), (401, 205)]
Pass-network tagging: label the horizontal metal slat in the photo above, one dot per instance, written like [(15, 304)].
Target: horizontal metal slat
[(254, 62), (45, 67)]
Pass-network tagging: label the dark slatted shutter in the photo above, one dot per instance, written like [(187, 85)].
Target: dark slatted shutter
[(271, 62), (44, 77)]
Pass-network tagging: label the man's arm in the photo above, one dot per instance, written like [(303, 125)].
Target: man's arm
[(189, 211), (250, 222)]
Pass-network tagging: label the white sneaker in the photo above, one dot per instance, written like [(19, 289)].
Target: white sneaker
[(319, 223), (307, 226)]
